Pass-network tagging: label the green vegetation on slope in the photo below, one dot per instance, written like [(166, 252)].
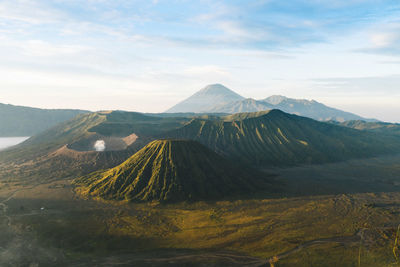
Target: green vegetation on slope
[(27, 121), (173, 170), (278, 138), (120, 123), (67, 149), (377, 127), (85, 128), (267, 138), (47, 156), (54, 138)]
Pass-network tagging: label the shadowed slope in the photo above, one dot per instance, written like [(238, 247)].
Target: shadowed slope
[(377, 127), (27, 121), (278, 138), (172, 170)]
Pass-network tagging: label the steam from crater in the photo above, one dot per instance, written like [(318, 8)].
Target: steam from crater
[(100, 145)]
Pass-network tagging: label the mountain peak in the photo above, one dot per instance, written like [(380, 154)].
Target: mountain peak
[(202, 101), (216, 88), (275, 99)]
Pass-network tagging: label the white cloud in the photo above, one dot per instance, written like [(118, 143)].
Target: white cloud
[(31, 12), (52, 58), (44, 49), (234, 31), (384, 38), (380, 39)]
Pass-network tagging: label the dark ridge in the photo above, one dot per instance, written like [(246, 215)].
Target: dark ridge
[(275, 138)]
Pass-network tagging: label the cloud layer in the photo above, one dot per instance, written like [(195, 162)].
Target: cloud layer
[(147, 55)]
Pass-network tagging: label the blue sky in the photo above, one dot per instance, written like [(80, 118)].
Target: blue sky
[(148, 55)]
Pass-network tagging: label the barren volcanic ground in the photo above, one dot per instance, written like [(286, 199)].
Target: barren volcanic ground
[(48, 224)]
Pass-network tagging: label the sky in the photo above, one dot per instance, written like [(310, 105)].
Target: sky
[(148, 55)]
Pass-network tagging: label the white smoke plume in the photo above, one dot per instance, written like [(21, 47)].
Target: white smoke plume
[(100, 145)]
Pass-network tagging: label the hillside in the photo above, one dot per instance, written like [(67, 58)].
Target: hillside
[(266, 138), (69, 148), (280, 139), (219, 99), (48, 156), (205, 99), (378, 127), (172, 170), (27, 121), (81, 132)]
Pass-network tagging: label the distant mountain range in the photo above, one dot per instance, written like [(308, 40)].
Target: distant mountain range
[(27, 121), (216, 98)]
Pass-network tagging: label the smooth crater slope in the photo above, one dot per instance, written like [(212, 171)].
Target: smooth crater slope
[(69, 149), (173, 170), (48, 156), (117, 129), (275, 138), (27, 121)]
